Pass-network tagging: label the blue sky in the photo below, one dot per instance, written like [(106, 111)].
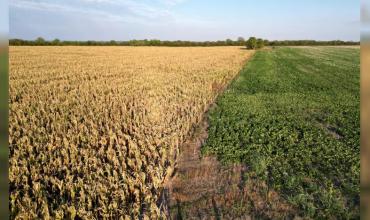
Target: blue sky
[(4, 17), (184, 19), (365, 19)]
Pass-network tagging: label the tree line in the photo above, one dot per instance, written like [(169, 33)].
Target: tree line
[(251, 43)]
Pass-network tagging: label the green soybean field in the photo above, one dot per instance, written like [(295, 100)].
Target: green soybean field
[(292, 117)]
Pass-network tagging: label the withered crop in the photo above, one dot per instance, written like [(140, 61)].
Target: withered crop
[(94, 131)]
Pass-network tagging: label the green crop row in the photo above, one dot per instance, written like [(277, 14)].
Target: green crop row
[(293, 117)]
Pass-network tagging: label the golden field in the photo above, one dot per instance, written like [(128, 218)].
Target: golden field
[(94, 131)]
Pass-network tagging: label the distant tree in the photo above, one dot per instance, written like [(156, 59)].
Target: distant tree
[(133, 42), (56, 42), (241, 41), (260, 43), (40, 41), (251, 43), (16, 42), (153, 42)]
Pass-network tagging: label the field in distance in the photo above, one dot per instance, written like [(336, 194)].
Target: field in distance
[(293, 118), (95, 130)]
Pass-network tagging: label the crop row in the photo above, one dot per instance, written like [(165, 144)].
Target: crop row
[(94, 131)]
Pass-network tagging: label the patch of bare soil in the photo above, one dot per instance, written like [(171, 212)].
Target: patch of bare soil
[(332, 130), (202, 188)]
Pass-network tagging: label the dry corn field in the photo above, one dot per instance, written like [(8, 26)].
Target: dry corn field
[(94, 131)]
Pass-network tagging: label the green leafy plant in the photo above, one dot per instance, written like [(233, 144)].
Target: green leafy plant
[(293, 118)]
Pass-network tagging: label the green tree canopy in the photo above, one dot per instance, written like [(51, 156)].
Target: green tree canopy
[(251, 43), (40, 41), (260, 43), (55, 41), (229, 42)]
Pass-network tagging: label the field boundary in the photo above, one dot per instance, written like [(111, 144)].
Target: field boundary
[(197, 181)]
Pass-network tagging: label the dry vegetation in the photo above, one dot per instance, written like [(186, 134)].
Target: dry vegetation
[(95, 130)]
